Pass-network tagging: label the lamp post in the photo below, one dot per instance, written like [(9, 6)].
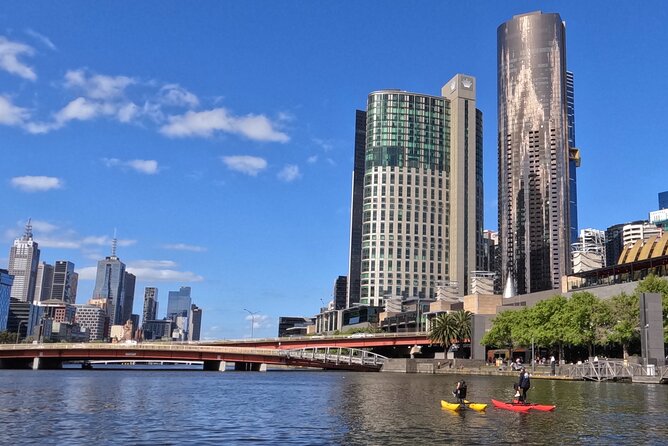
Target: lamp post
[(18, 331), (252, 315)]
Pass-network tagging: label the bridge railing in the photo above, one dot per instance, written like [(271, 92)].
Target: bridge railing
[(606, 369), (142, 347), (336, 355)]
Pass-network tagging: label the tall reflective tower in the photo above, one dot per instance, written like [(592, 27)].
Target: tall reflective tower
[(534, 191)]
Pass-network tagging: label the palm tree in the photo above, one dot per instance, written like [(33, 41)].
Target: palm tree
[(443, 330), (449, 327)]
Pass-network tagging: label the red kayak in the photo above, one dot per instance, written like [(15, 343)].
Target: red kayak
[(522, 407)]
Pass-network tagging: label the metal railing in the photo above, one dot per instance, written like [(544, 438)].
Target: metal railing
[(337, 355), (606, 369)]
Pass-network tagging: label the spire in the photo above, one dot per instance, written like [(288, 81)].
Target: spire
[(28, 233), (114, 244)]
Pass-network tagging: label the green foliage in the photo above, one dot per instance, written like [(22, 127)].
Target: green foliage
[(625, 320), (507, 329), (7, 337), (449, 328)]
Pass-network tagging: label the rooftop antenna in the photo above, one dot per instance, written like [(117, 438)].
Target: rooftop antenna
[(114, 244), (28, 233)]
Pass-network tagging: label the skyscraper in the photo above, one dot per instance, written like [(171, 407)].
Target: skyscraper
[(23, 262), (178, 303), (109, 285), (194, 323), (534, 152), (43, 282), (663, 200), (150, 304), (356, 205), (65, 281), (422, 195), (5, 287), (129, 281)]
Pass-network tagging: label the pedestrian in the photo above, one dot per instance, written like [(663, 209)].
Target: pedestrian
[(553, 365), (460, 391), (524, 384)]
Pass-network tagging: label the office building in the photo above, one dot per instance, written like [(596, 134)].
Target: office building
[(534, 153), (109, 285), (155, 330), (659, 218), (178, 303), (128, 296), (150, 304), (43, 282), (93, 320), (639, 231), (23, 317), (23, 262), (356, 211), (194, 323), (422, 217), (663, 200), (5, 292), (339, 295), (573, 155), (289, 326), (65, 282)]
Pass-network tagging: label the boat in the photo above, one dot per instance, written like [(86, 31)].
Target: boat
[(523, 407), (478, 407)]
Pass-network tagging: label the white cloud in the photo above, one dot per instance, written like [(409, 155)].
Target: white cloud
[(80, 109), (206, 123), (161, 271), (325, 144), (10, 114), (36, 183), (184, 247), (42, 38), (9, 58), (148, 167), (126, 113), (47, 242), (250, 165), (104, 240), (87, 273), (98, 86), (312, 159), (43, 226), (259, 320), (289, 173), (175, 95)]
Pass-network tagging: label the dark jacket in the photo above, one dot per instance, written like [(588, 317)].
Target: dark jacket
[(524, 382)]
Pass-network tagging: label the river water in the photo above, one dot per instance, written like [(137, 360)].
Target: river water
[(96, 407)]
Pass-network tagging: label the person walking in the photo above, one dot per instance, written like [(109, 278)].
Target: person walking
[(524, 384), (553, 365)]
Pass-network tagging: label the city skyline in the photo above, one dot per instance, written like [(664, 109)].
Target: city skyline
[(233, 173)]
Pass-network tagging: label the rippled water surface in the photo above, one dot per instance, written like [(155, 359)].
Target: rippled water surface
[(313, 408)]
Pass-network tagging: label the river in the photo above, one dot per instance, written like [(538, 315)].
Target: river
[(157, 407)]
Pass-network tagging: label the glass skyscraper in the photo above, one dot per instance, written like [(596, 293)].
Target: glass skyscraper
[(178, 303), (534, 152), (422, 209), (109, 285)]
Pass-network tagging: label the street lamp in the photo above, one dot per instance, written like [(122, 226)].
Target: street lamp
[(252, 315), (18, 331)]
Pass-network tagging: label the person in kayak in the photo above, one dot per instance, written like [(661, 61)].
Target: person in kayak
[(524, 384), (460, 391)]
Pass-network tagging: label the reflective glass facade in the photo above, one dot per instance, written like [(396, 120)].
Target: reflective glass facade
[(534, 197)]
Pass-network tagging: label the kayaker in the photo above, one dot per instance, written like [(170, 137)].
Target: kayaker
[(524, 384), (460, 391)]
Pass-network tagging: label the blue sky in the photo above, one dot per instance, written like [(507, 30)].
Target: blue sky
[(217, 137)]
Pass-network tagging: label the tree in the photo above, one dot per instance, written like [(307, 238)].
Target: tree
[(583, 317), (547, 322), (625, 320), (504, 331), (443, 330), (462, 321), (7, 337)]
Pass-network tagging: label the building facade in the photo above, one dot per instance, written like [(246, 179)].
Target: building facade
[(340, 292), (422, 198), (663, 200), (534, 152), (194, 323), (633, 232), (356, 211), (150, 304), (128, 296), (23, 262), (5, 292), (65, 282), (589, 250), (178, 303)]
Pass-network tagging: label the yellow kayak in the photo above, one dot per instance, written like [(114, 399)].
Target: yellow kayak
[(450, 406), (478, 407)]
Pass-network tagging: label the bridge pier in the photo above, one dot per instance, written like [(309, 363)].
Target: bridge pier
[(46, 364), (214, 366), (250, 367)]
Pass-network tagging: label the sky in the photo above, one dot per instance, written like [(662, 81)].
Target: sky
[(216, 138)]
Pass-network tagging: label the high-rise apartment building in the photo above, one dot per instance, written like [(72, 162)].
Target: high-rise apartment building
[(534, 152), (23, 262), (109, 285), (65, 282), (93, 320), (178, 303), (356, 210), (422, 197), (150, 304), (340, 292), (633, 232)]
